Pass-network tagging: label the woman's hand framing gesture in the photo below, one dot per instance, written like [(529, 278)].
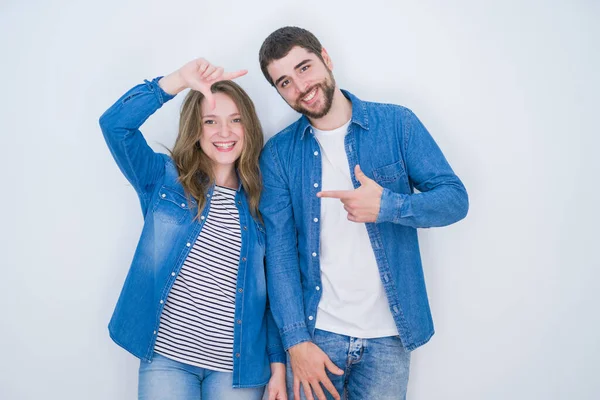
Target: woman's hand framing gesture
[(198, 74)]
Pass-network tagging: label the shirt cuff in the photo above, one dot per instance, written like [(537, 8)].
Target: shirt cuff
[(277, 357), (390, 207), (297, 333), (161, 95)]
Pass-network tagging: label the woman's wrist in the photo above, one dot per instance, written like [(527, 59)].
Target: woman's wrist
[(277, 368), (172, 83)]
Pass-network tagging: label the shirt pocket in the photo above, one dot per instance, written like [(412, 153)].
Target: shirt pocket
[(388, 173), (171, 206), (392, 176)]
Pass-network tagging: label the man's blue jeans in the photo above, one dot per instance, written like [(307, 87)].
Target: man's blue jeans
[(374, 369), (164, 378)]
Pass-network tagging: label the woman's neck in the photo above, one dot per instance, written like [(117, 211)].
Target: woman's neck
[(226, 176)]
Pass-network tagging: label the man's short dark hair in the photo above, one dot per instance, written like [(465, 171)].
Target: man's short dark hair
[(279, 43)]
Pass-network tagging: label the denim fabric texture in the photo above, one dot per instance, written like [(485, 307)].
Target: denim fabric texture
[(168, 379), (169, 231), (392, 147), (373, 368)]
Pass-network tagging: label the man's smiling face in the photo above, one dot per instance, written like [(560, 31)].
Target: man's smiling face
[(304, 81)]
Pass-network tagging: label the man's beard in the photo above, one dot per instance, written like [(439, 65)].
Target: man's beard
[(327, 87)]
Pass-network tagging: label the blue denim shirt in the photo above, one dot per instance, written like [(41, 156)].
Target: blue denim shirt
[(170, 229), (392, 147)]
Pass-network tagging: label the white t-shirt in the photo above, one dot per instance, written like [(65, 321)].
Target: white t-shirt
[(353, 301)]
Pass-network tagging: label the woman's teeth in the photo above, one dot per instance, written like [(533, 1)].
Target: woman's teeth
[(227, 145)]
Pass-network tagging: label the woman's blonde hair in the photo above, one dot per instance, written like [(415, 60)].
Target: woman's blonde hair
[(194, 166)]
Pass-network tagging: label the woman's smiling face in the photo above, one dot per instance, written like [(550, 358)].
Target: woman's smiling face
[(222, 138)]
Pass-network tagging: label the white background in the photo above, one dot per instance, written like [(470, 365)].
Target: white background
[(509, 90)]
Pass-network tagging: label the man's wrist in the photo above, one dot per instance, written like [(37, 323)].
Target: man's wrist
[(298, 347)]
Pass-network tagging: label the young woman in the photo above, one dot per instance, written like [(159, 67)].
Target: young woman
[(194, 305)]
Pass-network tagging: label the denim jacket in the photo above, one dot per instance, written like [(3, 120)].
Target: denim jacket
[(392, 147), (170, 229)]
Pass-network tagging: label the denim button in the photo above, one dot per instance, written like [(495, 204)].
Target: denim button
[(243, 258), (316, 153), (316, 219), (314, 254), (188, 244), (237, 355), (240, 290), (239, 321), (163, 195), (316, 185), (155, 332), (310, 317), (202, 217), (162, 301), (245, 228), (317, 288), (182, 204), (172, 273), (207, 195)]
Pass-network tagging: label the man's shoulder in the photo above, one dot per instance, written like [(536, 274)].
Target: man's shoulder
[(387, 107), (286, 135)]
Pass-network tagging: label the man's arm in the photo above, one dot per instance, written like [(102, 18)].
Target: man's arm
[(443, 199), (284, 283), (283, 270)]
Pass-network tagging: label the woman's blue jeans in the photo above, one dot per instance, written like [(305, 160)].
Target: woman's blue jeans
[(166, 379)]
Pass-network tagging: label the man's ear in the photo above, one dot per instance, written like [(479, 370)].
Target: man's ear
[(327, 59)]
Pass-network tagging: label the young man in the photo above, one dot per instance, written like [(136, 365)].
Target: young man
[(343, 267)]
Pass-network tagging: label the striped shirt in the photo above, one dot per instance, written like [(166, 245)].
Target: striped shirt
[(196, 325)]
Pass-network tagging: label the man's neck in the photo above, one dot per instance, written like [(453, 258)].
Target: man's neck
[(338, 115)]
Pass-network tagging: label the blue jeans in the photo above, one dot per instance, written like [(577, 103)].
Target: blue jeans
[(164, 378), (374, 369)]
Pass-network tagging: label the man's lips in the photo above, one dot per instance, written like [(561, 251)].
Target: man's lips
[(311, 96)]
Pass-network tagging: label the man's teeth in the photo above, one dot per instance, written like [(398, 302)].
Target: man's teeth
[(310, 95), (224, 145)]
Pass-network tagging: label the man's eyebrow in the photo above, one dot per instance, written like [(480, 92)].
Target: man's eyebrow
[(301, 63)]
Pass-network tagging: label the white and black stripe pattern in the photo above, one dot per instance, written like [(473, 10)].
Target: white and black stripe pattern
[(196, 325)]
